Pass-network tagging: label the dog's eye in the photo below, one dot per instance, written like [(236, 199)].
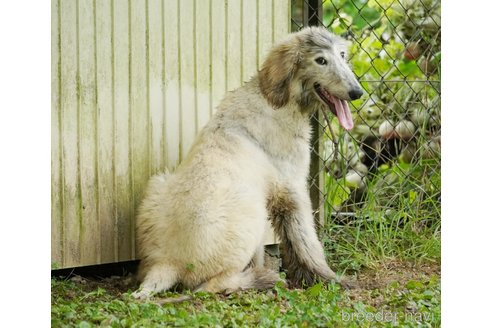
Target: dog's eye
[(342, 54), (321, 61)]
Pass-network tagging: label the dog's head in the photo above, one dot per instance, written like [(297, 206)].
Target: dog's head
[(311, 66)]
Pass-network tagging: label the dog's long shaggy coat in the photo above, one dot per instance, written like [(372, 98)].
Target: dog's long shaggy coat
[(205, 223)]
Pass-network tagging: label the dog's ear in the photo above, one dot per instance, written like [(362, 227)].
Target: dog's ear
[(277, 72)]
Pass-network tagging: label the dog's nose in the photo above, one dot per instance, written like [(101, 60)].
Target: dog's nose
[(355, 93)]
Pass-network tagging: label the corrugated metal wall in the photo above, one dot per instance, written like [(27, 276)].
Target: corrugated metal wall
[(132, 83)]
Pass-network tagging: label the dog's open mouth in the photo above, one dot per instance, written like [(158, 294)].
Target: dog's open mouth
[(338, 107)]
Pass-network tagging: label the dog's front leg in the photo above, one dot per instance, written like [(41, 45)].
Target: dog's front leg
[(302, 253)]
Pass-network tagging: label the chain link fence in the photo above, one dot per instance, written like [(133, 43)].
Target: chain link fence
[(390, 161)]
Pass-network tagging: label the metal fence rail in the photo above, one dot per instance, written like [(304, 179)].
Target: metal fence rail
[(394, 149)]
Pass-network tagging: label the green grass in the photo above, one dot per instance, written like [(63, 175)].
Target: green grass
[(399, 219), (415, 303)]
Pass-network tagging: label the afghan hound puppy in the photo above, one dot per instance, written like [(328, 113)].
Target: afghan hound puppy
[(204, 224)]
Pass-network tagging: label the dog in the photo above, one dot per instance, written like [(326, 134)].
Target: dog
[(204, 225)]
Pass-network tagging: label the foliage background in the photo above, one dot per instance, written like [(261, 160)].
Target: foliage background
[(383, 179)]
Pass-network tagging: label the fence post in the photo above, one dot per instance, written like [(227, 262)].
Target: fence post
[(313, 15)]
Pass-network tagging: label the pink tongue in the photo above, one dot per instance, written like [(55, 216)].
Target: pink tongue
[(343, 113)]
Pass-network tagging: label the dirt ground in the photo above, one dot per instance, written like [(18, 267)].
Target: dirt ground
[(387, 273)]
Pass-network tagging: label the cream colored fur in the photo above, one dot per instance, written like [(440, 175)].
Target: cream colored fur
[(204, 224)]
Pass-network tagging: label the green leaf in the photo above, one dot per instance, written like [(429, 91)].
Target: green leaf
[(413, 284), (84, 324), (367, 17), (314, 291), (409, 68), (412, 196)]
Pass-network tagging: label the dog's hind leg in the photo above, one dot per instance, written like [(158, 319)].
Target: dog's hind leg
[(302, 252), (159, 278), (230, 282), (250, 278)]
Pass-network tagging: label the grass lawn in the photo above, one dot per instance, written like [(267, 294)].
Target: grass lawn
[(401, 294)]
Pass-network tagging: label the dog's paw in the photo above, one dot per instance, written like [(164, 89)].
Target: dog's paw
[(348, 284), (142, 294), (229, 291)]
